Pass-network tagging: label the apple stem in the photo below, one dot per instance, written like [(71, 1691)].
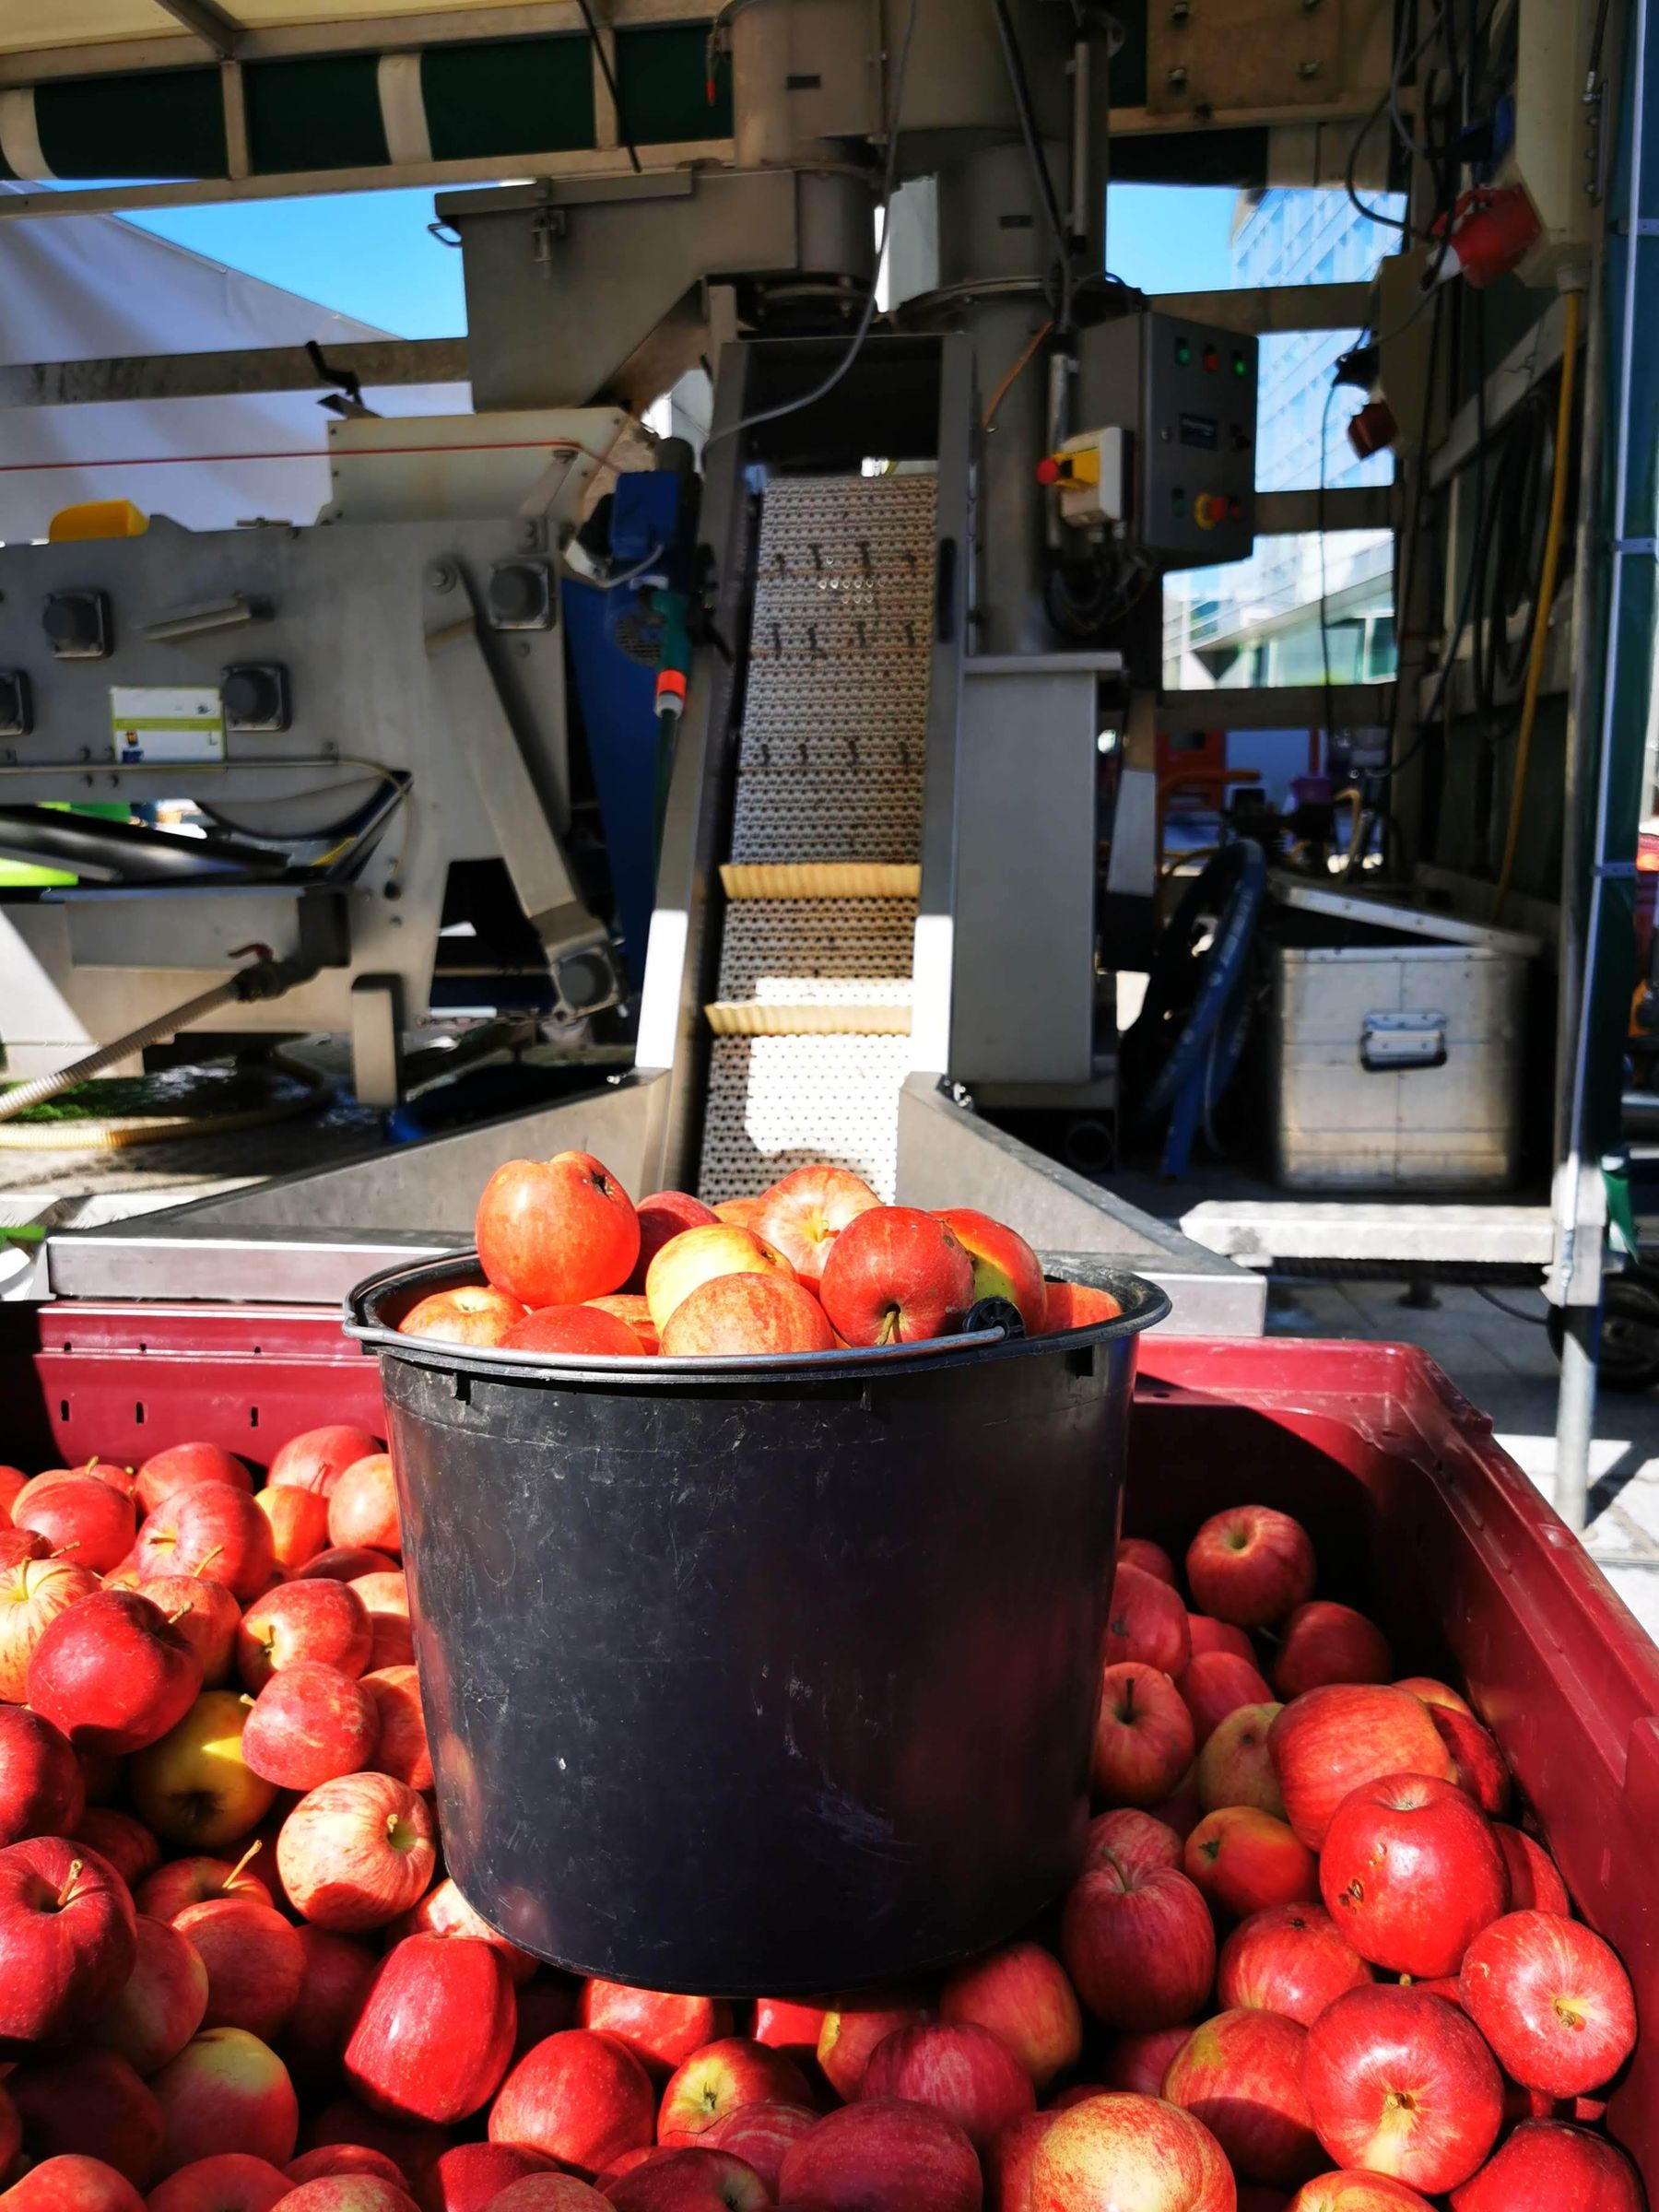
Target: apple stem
[(63, 1550), (173, 1619), (889, 1327), (242, 1863), (67, 1892), (202, 1565)]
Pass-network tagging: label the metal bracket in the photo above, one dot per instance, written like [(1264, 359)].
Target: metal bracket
[(1389, 1043), (1643, 549)]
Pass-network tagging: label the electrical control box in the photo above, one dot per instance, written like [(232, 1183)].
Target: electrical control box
[(1186, 392)]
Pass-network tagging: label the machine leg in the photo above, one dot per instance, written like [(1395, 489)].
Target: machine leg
[(1575, 1412), (377, 1039)]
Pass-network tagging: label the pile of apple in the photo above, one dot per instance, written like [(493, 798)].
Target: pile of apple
[(814, 1264)]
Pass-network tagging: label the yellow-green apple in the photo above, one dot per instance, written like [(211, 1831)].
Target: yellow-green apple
[(73, 2185), (584, 1332), (1140, 1949), (254, 1960), (362, 1507), (126, 1843), (804, 1213), (1357, 2193), (41, 1793), (67, 1940), (205, 1614), (1235, 1766), (444, 1911), (896, 1275), (1138, 2063), (311, 1724), (1130, 2151), (663, 1217), (1004, 1265), (316, 1620), (78, 1515), (1551, 1999), (114, 1673), (299, 1522), (1214, 1684), (629, 1307), (746, 1316), (1244, 1860), (1322, 1641), (357, 1852), (473, 2175), (434, 2036), (661, 2030), (1147, 1622), (1402, 2083), (1329, 1741), (1077, 1306), (1021, 1993), (226, 2091), (180, 1468), (173, 1888), (882, 2151), (702, 1256), (401, 1750), (760, 2135), (1480, 1763), (1143, 1741), (719, 2078), (1206, 1635), (89, 2102), (1435, 1692), (1151, 1558), (583, 2099), (963, 2071), (159, 2006), (699, 2178), (475, 1313), (231, 2182), (335, 1975), (1547, 2166), (192, 1786), (336, 2158), (1411, 1872), (1289, 1959), (212, 1531), (852, 2030), (1136, 1840), (316, 1458), (551, 1232), (786, 2024), (33, 1595), (1534, 1879), (1240, 2074), (349, 2193), (1250, 1565)]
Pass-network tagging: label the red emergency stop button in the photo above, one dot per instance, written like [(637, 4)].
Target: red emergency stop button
[(1048, 470), (1208, 509)]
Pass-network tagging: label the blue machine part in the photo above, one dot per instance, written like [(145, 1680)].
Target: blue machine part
[(619, 641)]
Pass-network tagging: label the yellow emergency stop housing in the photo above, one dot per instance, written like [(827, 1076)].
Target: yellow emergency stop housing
[(94, 519)]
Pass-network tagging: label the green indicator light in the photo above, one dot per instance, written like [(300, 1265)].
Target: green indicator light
[(1240, 365), (1184, 352)]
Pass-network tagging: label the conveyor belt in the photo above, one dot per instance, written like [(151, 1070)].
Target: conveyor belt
[(812, 1019)]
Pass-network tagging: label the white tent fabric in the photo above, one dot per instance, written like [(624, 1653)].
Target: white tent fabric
[(88, 287)]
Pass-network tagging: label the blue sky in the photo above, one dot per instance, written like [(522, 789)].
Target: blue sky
[(371, 254)]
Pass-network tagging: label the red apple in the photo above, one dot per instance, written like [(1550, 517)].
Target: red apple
[(88, 2103), (1357, 2193), (1288, 1958), (1139, 1948), (1007, 2163), (334, 2159), (205, 1614), (1134, 2063), (705, 1255), (231, 2182), (357, 1852), (316, 1459), (1411, 1873), (472, 1313), (631, 1308), (882, 2153), (895, 1276), (760, 2134), (193, 1787), (435, 2033), (1402, 2083), (1552, 2000), (1004, 1265), (746, 1316), (33, 1595), (444, 1911), (1547, 2167), (212, 1531), (552, 1233), (1147, 1622), (299, 1522), (173, 1888), (1214, 1684), (67, 1940), (1250, 1565), (126, 1843), (584, 1332), (1142, 1737), (1325, 1642), (661, 2031), (1130, 2152), (719, 2078), (804, 1213), (663, 1217), (402, 1750), (226, 2092), (1207, 1635), (785, 2024), (1330, 1741), (19, 1544), (583, 2099), (41, 1793), (159, 2006), (385, 1596), (1151, 1558), (544, 2007), (1240, 2074), (1244, 1860), (349, 1566), (473, 2175), (1481, 1772), (311, 1619), (1077, 1306), (550, 2193), (1235, 1766), (254, 1960), (181, 1467), (965, 2072), (1433, 1692), (309, 1724), (73, 2185), (113, 1673), (362, 1508), (1132, 1839), (335, 1974), (1021, 1993), (701, 2179), (349, 2193), (851, 2031), (414, 2147), (78, 1515), (1534, 1879)]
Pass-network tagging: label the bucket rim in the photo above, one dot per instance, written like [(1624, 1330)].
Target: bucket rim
[(365, 1318)]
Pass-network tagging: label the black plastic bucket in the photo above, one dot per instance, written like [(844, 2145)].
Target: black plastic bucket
[(753, 1676)]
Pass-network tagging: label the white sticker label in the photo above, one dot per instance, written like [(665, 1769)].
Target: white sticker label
[(155, 721)]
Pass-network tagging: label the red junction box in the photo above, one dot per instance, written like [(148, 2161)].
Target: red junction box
[(1417, 1515)]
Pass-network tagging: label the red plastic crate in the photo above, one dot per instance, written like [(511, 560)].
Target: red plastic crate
[(1420, 1518)]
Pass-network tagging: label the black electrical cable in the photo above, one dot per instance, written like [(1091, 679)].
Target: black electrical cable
[(610, 83), (1013, 61)]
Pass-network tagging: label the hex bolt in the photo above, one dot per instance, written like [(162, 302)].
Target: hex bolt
[(440, 577), (1175, 79), (1307, 69)]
